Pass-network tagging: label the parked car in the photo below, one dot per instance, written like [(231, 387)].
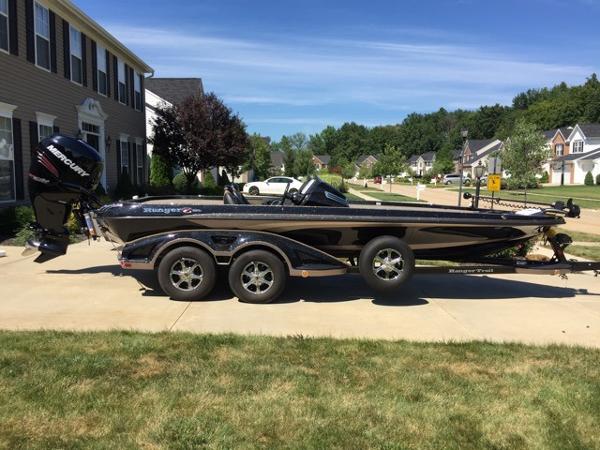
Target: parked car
[(272, 186), (454, 178), (377, 180)]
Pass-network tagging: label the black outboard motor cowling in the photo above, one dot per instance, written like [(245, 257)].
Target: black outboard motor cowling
[(63, 171)]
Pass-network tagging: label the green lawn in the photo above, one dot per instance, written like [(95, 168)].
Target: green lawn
[(171, 390), (587, 252), (390, 197), (352, 197), (360, 187), (582, 237)]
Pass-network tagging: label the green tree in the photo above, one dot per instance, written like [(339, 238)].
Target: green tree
[(160, 172), (303, 163), (260, 156), (524, 154), (391, 163)]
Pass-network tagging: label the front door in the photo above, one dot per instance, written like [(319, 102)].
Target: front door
[(91, 135)]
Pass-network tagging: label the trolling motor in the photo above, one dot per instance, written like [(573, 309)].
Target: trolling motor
[(63, 174)]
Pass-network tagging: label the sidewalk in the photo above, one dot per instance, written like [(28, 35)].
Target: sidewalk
[(589, 222)]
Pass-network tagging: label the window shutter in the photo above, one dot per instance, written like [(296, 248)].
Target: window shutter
[(53, 65), (84, 70), (107, 74), (94, 66), (33, 137), (116, 76), (66, 49), (142, 91), (132, 87), (134, 162), (118, 152), (130, 165), (127, 85), (18, 149), (56, 129), (13, 27), (29, 31)]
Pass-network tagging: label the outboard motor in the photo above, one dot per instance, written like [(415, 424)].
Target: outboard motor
[(64, 171)]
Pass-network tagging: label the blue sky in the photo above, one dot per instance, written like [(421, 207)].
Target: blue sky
[(288, 66)]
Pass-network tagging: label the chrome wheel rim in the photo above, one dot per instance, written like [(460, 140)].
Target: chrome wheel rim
[(257, 277), (388, 264), (186, 274)]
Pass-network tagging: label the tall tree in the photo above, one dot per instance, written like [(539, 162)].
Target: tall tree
[(212, 136), (303, 163), (260, 156), (524, 154)]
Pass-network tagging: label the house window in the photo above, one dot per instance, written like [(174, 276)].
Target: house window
[(125, 156), (559, 149), (578, 147), (139, 156), (7, 160), (4, 25), (101, 76), (122, 86), (42, 36), (76, 58), (45, 123), (137, 87)]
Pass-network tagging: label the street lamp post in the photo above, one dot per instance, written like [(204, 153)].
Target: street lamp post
[(464, 133), (478, 174)]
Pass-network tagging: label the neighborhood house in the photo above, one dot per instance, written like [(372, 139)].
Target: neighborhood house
[(61, 71)]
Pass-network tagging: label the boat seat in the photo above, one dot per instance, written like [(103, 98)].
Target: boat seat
[(232, 196)]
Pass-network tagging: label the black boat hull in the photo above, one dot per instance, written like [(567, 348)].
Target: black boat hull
[(431, 234)]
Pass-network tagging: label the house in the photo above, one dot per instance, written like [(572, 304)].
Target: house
[(167, 92), (580, 154), (61, 71), (476, 152), (558, 146), (321, 162), (421, 164), (367, 161)]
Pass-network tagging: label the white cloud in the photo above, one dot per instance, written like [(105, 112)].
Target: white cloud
[(409, 72)]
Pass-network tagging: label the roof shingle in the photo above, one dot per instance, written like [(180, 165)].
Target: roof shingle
[(174, 90)]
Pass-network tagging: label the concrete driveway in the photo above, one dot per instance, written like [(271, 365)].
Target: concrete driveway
[(87, 290)]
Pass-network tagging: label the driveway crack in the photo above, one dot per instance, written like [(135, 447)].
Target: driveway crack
[(180, 316)]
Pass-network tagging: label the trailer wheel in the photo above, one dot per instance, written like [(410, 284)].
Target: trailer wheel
[(187, 273), (257, 276), (386, 263)]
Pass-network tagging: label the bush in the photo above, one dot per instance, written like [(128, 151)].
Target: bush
[(124, 189), (15, 218), (598, 179), (545, 177), (180, 184), (160, 172), (589, 179), (209, 186)]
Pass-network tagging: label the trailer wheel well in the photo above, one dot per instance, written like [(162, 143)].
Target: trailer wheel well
[(261, 247), (166, 249)]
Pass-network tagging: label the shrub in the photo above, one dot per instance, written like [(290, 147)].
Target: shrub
[(124, 187), (598, 179), (545, 177), (160, 172), (15, 218), (180, 184), (209, 186), (23, 235), (589, 179)]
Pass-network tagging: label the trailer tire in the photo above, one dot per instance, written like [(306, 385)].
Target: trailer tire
[(386, 263), (187, 273), (257, 276)]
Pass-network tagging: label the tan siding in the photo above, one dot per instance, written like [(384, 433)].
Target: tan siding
[(33, 90)]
